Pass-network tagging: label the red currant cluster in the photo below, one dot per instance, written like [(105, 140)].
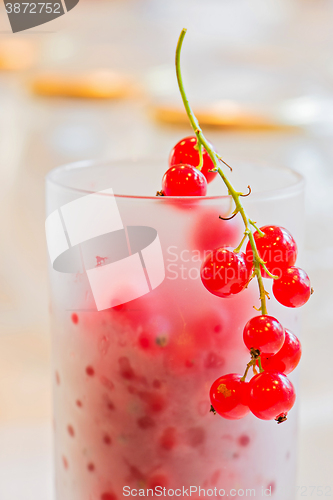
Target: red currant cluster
[(278, 249), (226, 272), (183, 178), (269, 394), (271, 252)]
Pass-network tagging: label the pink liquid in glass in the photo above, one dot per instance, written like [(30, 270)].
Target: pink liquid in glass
[(131, 383)]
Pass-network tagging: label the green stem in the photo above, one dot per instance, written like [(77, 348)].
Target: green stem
[(238, 249), (256, 227), (198, 146), (216, 161), (190, 114), (257, 271), (260, 365), (248, 366)]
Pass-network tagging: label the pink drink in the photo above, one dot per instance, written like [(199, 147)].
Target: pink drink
[(131, 382)]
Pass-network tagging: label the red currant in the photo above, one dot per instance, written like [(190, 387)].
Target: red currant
[(211, 232), (168, 440), (185, 152), (108, 496), (287, 358), (184, 180), (229, 395), (75, 318), (157, 480), (277, 248), (270, 394), (293, 288), (264, 333), (224, 272)]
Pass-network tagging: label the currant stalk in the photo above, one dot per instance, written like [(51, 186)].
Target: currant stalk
[(216, 159)]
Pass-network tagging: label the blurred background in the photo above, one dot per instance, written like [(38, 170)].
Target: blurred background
[(99, 82)]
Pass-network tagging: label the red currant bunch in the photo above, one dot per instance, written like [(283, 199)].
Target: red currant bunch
[(186, 151), (278, 251), (183, 178), (269, 395), (271, 253)]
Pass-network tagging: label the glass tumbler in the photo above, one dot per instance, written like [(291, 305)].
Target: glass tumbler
[(138, 340)]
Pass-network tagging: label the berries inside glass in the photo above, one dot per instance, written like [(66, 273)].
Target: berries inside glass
[(132, 383)]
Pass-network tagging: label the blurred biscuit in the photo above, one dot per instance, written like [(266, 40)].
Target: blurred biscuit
[(223, 114), (99, 84), (17, 54)]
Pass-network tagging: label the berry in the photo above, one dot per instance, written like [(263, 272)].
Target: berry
[(106, 439), (168, 440), (195, 436), (155, 402), (157, 480), (287, 358), (126, 370), (90, 371), (145, 422), (185, 152), (277, 248), (209, 231), (75, 318), (144, 341), (244, 440), (264, 333), (184, 180), (270, 395), (224, 272), (293, 289), (70, 431), (108, 496), (229, 395)]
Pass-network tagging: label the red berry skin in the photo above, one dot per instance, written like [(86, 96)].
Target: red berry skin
[(184, 180), (185, 152), (287, 358), (108, 496), (264, 333), (229, 396), (293, 289), (277, 248), (224, 273), (157, 480), (211, 232), (270, 394)]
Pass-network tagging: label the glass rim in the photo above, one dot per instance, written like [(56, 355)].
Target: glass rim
[(294, 187)]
